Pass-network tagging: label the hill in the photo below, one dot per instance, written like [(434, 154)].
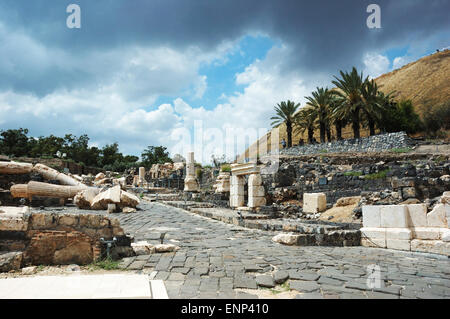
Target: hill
[(426, 82)]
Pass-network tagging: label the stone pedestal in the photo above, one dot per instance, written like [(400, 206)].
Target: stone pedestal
[(314, 202), (141, 176), (190, 182), (222, 184)]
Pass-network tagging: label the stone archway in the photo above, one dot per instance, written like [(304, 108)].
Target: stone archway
[(256, 194)]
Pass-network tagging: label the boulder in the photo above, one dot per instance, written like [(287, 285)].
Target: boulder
[(286, 239), (128, 200), (110, 196)]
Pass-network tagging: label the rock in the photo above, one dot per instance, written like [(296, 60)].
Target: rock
[(128, 210), (163, 248), (10, 261), (346, 201), (128, 200), (29, 270), (286, 239), (143, 248), (73, 268), (111, 208), (110, 196), (410, 201), (84, 199), (265, 281), (437, 217), (99, 176), (280, 276)]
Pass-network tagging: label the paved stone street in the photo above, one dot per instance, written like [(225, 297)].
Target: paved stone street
[(219, 260)]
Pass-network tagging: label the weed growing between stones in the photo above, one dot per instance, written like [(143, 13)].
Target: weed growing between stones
[(379, 175), (106, 264)]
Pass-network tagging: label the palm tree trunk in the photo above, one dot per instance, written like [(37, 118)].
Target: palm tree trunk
[(328, 130), (322, 132), (371, 126), (310, 135), (338, 130), (355, 123), (289, 133)]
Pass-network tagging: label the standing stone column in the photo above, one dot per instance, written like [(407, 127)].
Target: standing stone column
[(190, 182), (256, 192), (237, 191), (141, 176)]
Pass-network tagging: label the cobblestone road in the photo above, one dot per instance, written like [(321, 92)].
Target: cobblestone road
[(218, 260)]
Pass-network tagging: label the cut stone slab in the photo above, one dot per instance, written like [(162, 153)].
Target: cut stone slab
[(431, 246), (128, 200), (304, 286), (398, 233), (398, 244), (107, 286), (445, 234), (418, 215), (314, 202), (394, 216), (437, 217), (371, 216), (430, 233), (280, 276), (265, 281)]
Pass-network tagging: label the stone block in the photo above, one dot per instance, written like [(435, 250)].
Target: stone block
[(408, 192), (447, 214), (256, 201), (378, 243), (286, 239), (237, 190), (256, 191), (433, 233), (437, 217), (394, 216), (371, 216), (398, 234), (399, 244), (237, 180), (431, 246), (314, 202), (445, 234), (237, 201), (254, 180), (373, 233), (417, 215)]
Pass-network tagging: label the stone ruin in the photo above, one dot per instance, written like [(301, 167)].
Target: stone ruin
[(190, 182), (222, 184), (256, 193), (408, 227)]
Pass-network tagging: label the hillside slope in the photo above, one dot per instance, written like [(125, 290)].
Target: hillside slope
[(426, 82)]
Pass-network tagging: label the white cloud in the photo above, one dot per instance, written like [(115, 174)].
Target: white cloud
[(401, 61), (375, 65)]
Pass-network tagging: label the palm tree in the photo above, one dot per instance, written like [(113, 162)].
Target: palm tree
[(320, 101), (373, 105), (350, 87), (285, 114), (305, 121), (336, 118)]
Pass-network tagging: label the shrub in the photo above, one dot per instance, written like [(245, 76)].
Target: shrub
[(226, 168), (379, 175)]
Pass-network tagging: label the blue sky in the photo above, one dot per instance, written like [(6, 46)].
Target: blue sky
[(146, 72)]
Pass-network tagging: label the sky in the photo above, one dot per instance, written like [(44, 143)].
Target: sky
[(192, 74)]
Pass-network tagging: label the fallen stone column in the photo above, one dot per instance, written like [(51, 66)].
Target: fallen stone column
[(53, 174), (45, 190), (15, 168)]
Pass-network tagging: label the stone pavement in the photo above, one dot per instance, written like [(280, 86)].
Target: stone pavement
[(219, 260)]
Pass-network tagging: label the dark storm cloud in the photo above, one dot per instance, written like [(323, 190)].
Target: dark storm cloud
[(323, 35)]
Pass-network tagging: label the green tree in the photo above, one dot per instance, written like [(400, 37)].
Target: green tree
[(305, 120), (14, 142), (285, 114), (400, 117), (320, 102), (350, 87), (155, 155)]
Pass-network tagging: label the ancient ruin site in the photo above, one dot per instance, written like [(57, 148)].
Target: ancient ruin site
[(144, 164)]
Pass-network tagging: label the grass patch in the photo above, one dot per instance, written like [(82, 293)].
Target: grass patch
[(379, 175), (323, 151), (401, 150), (106, 264), (355, 173), (226, 168)]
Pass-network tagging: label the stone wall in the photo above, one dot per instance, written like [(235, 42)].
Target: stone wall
[(52, 238), (376, 143), (411, 177)]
